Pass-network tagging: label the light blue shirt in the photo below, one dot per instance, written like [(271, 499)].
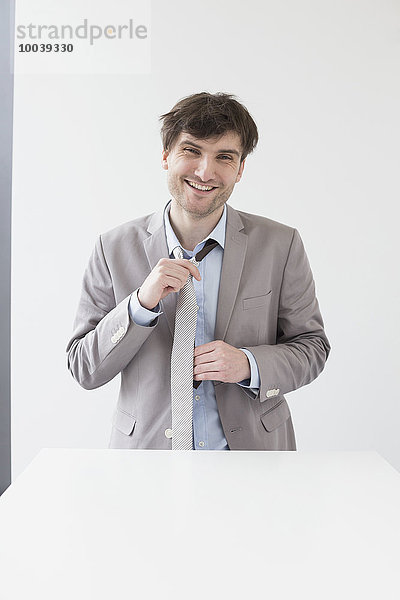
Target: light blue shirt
[(207, 428)]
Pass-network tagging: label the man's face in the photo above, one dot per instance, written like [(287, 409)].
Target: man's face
[(213, 164)]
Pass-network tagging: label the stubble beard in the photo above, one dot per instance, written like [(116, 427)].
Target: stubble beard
[(178, 194)]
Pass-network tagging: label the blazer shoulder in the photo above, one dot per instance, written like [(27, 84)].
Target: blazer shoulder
[(133, 232), (262, 225)]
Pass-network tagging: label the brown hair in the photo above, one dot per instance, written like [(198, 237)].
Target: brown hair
[(206, 115)]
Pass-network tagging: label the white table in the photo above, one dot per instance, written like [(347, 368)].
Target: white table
[(97, 524)]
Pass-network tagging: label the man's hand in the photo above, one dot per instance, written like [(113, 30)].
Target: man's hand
[(219, 361), (169, 275)]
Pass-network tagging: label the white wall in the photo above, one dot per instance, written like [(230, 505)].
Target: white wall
[(321, 79)]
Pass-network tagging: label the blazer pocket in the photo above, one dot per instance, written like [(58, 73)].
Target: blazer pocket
[(257, 301), (275, 416), (124, 422)]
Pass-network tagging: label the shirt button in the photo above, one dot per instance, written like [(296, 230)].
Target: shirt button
[(201, 444), (168, 433), (197, 397)]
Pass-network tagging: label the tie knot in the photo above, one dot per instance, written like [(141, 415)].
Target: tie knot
[(178, 252)]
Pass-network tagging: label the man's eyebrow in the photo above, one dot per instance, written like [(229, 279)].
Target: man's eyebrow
[(190, 143), (229, 152)]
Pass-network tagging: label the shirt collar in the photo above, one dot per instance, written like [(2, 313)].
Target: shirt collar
[(217, 234)]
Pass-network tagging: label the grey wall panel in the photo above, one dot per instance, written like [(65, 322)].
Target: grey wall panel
[(7, 11)]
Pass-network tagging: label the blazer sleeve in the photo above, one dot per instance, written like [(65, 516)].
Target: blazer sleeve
[(104, 339), (302, 347)]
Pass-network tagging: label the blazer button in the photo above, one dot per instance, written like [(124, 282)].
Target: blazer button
[(114, 339), (168, 433)]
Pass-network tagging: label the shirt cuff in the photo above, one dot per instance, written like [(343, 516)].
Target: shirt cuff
[(254, 381), (140, 315)]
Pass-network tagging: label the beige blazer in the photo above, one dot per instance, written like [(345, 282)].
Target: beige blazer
[(266, 303)]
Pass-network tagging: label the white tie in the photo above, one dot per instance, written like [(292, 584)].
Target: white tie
[(182, 364)]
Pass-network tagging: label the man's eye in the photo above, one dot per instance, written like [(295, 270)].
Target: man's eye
[(225, 157), (191, 150)]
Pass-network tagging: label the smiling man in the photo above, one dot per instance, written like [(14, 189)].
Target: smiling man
[(209, 314)]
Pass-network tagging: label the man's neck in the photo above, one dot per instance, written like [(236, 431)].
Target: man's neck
[(191, 230)]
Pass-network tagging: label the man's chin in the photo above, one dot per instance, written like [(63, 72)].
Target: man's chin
[(201, 209), (198, 207)]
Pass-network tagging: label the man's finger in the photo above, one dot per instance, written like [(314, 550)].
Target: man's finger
[(211, 375), (202, 359), (173, 282), (193, 270), (206, 366), (204, 348)]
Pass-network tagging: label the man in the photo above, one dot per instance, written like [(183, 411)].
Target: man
[(259, 332)]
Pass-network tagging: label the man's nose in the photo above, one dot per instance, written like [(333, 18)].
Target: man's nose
[(205, 169)]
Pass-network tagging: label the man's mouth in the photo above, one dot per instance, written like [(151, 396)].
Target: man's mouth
[(200, 188)]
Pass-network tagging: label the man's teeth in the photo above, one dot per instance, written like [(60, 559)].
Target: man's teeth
[(203, 188)]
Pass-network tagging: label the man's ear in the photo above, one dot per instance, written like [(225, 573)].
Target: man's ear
[(239, 175), (164, 163)]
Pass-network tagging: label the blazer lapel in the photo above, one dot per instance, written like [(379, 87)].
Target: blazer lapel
[(232, 266), (155, 247)]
